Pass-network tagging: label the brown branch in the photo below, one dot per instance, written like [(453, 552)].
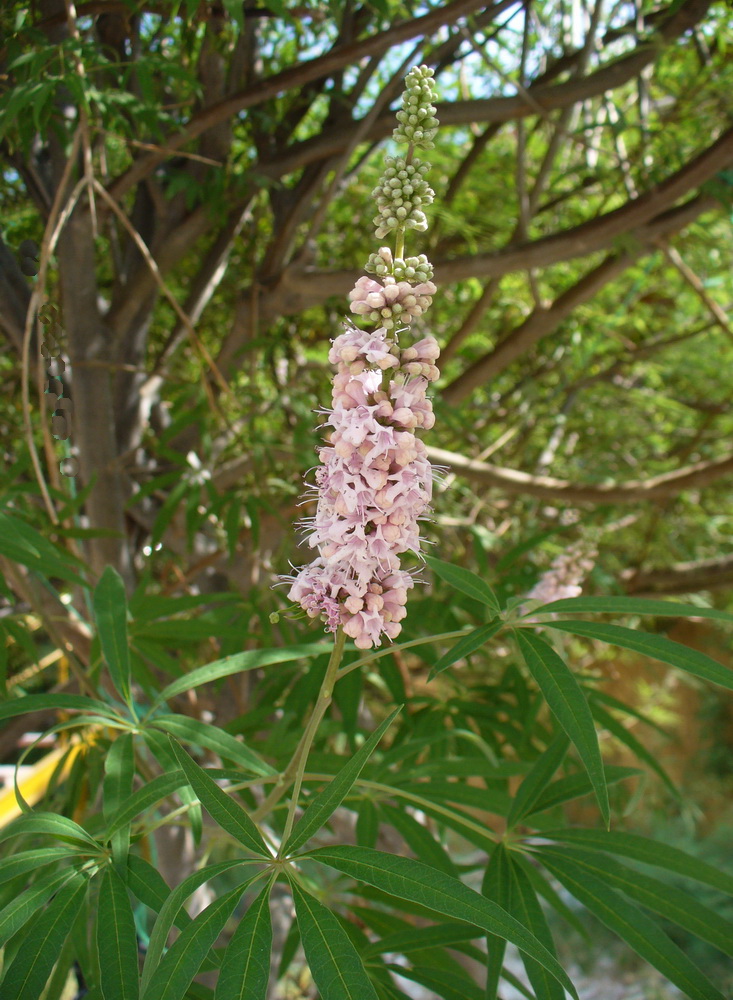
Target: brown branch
[(292, 78), (518, 483), (681, 578), (538, 324), (302, 289), (542, 99)]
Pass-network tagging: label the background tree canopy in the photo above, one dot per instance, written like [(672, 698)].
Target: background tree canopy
[(187, 201), (581, 236)]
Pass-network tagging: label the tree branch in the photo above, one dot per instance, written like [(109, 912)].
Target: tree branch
[(293, 78), (681, 578), (517, 483), (540, 99)]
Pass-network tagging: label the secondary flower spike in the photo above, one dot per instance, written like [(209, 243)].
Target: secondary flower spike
[(375, 481)]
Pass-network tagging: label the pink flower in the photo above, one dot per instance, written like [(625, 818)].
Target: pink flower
[(390, 302), (373, 486)]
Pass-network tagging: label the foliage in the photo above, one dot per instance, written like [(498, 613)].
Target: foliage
[(209, 795)]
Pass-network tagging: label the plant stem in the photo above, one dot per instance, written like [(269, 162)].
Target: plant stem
[(399, 244), (296, 768)]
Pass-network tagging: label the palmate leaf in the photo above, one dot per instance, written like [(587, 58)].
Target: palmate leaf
[(42, 944), (634, 927), (245, 968), (655, 646), (230, 816), (570, 707), (334, 962), (330, 798), (465, 581), (413, 880), (110, 612), (116, 940)]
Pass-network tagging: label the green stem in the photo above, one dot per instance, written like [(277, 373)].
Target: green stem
[(293, 773), (399, 244)]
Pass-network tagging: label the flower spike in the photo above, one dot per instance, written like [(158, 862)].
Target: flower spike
[(375, 481)]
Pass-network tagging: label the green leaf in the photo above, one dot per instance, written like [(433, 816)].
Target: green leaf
[(655, 646), (632, 606), (213, 738), (31, 861), (238, 663), (450, 985), (569, 705), (41, 946), (466, 645), (54, 826), (537, 780), (420, 841), (330, 798), (116, 940), (169, 913), (245, 968), (184, 958), (160, 747), (575, 786), (638, 930), (623, 735), (230, 816), (148, 885), (543, 888), (496, 886), (23, 544), (650, 852), (463, 580), (110, 612), (333, 960), (673, 904), (527, 908), (119, 771), (367, 824), (21, 908), (413, 880), (62, 702), (404, 942), (143, 798)]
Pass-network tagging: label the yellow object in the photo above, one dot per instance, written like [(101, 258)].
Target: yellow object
[(35, 781)]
